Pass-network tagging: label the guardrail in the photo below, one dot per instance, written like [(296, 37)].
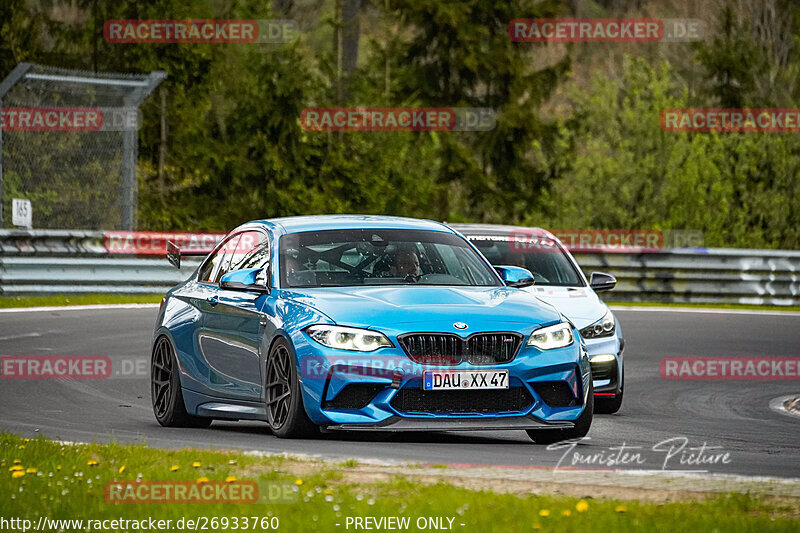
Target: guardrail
[(707, 275), (44, 261)]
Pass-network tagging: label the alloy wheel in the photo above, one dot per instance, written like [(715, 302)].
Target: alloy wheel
[(161, 377), (278, 389)]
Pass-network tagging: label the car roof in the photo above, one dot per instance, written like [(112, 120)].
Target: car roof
[(496, 229), (328, 222)]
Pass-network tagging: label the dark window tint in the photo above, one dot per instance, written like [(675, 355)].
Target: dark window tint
[(549, 264)]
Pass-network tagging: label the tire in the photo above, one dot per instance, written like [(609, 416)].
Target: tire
[(579, 430), (283, 399), (609, 406), (165, 389)]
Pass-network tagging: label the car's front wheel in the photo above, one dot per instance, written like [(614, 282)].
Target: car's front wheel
[(286, 414), (579, 430), (165, 388)]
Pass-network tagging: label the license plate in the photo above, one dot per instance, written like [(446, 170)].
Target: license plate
[(465, 379)]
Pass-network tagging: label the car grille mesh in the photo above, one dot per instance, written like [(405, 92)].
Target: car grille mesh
[(414, 400), (449, 349), (354, 396), (556, 394)]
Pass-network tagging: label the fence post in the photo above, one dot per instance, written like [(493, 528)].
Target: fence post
[(5, 85), (130, 153)]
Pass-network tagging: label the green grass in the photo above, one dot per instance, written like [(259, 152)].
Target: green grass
[(63, 485), (77, 299), (706, 306)]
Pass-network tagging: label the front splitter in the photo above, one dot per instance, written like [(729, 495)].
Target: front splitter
[(399, 423)]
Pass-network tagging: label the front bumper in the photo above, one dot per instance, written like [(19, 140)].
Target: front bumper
[(606, 375), (382, 391)]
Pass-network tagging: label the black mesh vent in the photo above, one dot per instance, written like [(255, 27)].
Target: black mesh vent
[(449, 349), (513, 399), (354, 396), (556, 394)]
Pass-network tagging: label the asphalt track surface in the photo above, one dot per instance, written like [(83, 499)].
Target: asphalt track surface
[(732, 415)]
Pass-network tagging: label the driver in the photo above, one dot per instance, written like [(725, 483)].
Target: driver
[(406, 263)]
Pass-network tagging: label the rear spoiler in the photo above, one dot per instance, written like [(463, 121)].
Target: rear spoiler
[(174, 254)]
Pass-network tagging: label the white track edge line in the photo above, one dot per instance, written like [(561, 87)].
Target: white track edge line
[(77, 308)]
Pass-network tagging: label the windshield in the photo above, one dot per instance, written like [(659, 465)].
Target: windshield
[(550, 265), (344, 258)]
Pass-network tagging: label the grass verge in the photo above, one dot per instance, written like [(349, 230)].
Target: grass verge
[(751, 307), (77, 299), (43, 478)]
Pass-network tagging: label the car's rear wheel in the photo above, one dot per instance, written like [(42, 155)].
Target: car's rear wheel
[(286, 414), (579, 430), (165, 389)]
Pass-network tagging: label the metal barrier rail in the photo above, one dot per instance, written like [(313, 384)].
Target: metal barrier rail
[(57, 275), (707, 275), (43, 261)]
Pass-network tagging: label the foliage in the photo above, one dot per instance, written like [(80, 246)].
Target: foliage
[(569, 150)]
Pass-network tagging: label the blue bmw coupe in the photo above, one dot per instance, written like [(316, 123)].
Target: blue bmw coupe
[(347, 322)]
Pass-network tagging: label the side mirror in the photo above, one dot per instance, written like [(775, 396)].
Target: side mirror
[(515, 276), (245, 280), (600, 281)]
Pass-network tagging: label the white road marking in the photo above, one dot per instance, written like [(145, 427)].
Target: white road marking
[(20, 336), (31, 334), (77, 308)]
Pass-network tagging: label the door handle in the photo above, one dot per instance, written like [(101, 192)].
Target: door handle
[(214, 300)]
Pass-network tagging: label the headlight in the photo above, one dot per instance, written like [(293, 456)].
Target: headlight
[(555, 336), (605, 327), (342, 338)]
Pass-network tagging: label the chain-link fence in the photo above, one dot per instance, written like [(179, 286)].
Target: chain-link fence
[(68, 143)]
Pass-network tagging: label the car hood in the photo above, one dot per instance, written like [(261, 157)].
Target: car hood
[(481, 308), (579, 304)]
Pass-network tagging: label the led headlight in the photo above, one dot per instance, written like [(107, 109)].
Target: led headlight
[(555, 336), (342, 338), (605, 327)]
